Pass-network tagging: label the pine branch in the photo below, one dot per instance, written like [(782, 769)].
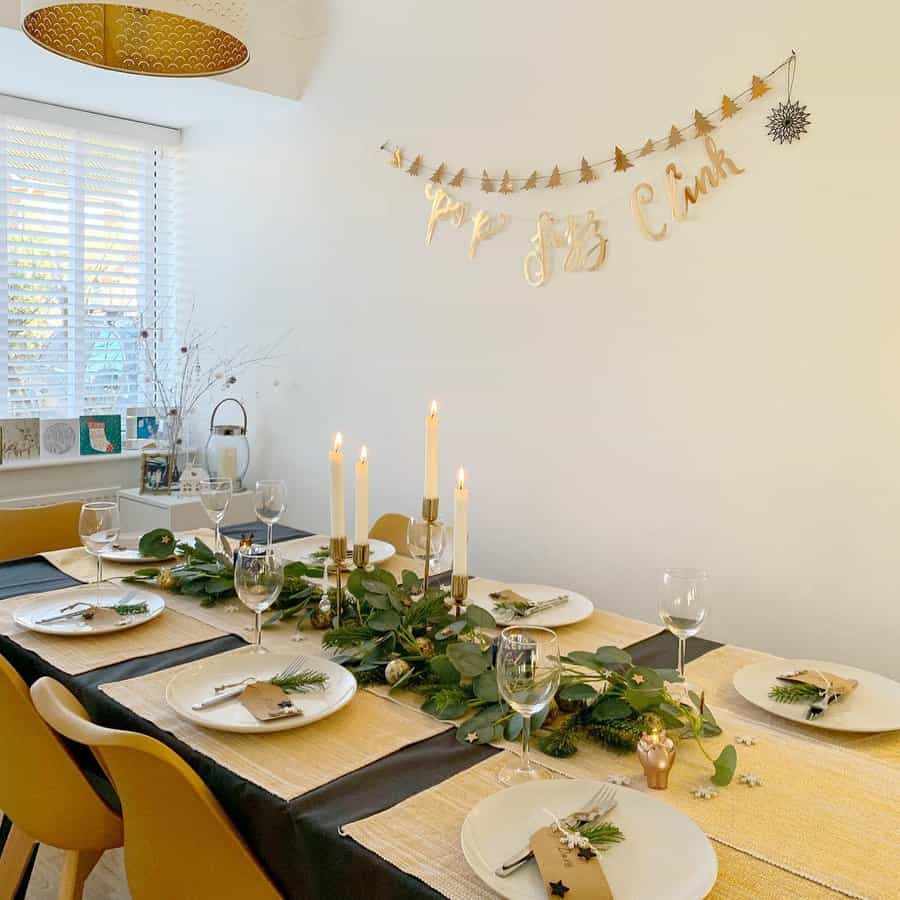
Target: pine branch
[(601, 834), (795, 693), (304, 681)]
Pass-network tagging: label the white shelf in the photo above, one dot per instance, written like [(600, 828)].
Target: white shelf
[(19, 465)]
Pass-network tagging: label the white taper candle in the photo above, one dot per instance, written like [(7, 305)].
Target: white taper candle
[(361, 530), (461, 526), (336, 471), (431, 453)]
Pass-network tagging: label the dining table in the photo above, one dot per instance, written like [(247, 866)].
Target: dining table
[(299, 835)]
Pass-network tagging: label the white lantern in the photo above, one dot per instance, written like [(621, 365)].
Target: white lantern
[(179, 38), (227, 448)]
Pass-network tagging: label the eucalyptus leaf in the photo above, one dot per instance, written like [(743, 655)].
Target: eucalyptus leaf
[(642, 699), (146, 573), (585, 660), (450, 710), (383, 576), (411, 581), (538, 719), (641, 676), (583, 692), (468, 658), (218, 586), (396, 600), (451, 630), (612, 656), (671, 675), (374, 586), (443, 669), (157, 544), (485, 686), (513, 727), (725, 764), (607, 709), (355, 583), (377, 601), (478, 617), (384, 620)]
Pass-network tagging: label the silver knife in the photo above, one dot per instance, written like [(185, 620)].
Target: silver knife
[(515, 862), (221, 697)]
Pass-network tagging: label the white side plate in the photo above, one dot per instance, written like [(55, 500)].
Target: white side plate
[(664, 853), (46, 607), (873, 706), (200, 681), (379, 551)]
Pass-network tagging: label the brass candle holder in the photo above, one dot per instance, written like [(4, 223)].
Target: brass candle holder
[(429, 514), (459, 591), (361, 554), (337, 548)]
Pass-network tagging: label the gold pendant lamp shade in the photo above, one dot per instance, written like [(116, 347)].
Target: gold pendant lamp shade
[(177, 38)]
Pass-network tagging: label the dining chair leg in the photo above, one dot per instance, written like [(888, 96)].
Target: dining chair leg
[(77, 865), (14, 861)]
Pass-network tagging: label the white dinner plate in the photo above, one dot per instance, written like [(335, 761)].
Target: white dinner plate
[(873, 706), (664, 853), (132, 556), (576, 609), (43, 607), (200, 681), (379, 551)]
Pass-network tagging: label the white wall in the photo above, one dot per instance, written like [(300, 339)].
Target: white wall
[(722, 399)]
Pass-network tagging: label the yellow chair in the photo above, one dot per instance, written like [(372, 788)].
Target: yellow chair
[(37, 529), (178, 840), (391, 527), (46, 796)]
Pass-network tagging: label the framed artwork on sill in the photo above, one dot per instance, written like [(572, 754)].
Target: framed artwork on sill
[(100, 435), (157, 472)]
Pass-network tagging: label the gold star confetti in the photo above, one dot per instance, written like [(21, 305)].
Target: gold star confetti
[(637, 678)]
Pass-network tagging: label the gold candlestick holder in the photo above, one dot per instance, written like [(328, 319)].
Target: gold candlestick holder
[(337, 548), (459, 591), (429, 514), (361, 554)]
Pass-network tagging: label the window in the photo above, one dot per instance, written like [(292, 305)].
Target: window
[(88, 257)]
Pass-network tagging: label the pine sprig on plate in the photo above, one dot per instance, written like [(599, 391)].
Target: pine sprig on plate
[(302, 682), (131, 609), (601, 834), (795, 693)]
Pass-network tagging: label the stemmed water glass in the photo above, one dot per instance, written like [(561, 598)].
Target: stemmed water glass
[(258, 580), (417, 540), (215, 495), (683, 605), (528, 673), (98, 527), (271, 497)]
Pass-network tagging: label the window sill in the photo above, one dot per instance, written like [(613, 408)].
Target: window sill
[(21, 465)]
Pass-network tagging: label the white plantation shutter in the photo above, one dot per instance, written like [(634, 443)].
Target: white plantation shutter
[(88, 258)]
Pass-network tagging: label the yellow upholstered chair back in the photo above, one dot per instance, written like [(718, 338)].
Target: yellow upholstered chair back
[(42, 789), (178, 840), (391, 527), (37, 529)]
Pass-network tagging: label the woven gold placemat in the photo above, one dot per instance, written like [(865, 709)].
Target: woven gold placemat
[(421, 836), (714, 672), (287, 763), (75, 655), (823, 812)]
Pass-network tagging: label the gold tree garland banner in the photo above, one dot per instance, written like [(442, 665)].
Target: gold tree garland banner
[(580, 236)]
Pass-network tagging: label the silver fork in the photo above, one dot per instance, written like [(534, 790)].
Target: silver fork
[(818, 707), (604, 800)]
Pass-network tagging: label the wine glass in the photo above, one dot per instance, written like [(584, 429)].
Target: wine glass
[(215, 495), (528, 672), (683, 605), (271, 497), (98, 527), (258, 580), (417, 540)]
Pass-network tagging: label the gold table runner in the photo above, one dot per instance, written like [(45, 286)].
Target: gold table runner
[(76, 655), (714, 672), (287, 763), (827, 813), (421, 836)]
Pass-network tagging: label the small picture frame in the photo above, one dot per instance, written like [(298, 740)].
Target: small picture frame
[(157, 473)]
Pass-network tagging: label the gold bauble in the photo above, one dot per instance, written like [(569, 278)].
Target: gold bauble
[(395, 670), (425, 646)]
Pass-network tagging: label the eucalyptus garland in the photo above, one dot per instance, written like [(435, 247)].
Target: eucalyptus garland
[(397, 633)]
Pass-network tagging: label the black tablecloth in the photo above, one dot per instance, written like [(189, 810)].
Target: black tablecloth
[(297, 841)]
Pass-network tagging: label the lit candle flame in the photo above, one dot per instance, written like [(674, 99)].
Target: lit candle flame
[(338, 443), (461, 478), (364, 455), (434, 409)]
